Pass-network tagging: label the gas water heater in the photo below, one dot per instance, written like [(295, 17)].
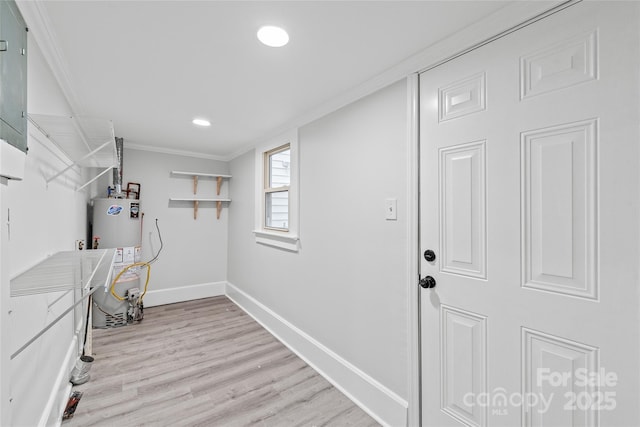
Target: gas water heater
[(118, 224)]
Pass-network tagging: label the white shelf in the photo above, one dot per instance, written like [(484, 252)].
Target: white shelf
[(63, 271), (82, 271), (196, 200), (211, 175), (87, 142)]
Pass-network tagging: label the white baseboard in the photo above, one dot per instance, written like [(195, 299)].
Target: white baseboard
[(382, 404), (183, 293), (53, 411)]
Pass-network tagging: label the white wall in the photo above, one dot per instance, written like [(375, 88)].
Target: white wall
[(193, 263), (346, 287), (45, 218)]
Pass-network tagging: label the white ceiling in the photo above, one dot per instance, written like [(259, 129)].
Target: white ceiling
[(152, 66)]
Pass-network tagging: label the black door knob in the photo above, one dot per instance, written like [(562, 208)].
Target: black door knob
[(428, 282), (429, 255)]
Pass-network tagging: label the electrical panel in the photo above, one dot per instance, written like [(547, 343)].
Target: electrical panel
[(13, 76)]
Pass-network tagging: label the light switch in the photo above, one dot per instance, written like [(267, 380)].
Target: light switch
[(391, 209)]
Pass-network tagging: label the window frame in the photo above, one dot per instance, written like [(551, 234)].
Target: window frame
[(271, 236), (267, 187)]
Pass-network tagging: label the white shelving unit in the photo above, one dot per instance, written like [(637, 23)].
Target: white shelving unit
[(87, 142), (197, 200), (79, 272)]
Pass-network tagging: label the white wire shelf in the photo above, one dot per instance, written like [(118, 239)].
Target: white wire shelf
[(82, 271), (65, 270), (87, 142)]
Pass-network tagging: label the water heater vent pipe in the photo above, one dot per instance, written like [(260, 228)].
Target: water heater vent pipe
[(117, 171)]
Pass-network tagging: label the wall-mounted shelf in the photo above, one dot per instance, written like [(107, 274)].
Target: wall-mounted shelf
[(210, 175), (196, 200), (87, 142), (82, 271)]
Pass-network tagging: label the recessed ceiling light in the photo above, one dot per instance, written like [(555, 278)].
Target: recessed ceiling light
[(273, 36), (201, 122)]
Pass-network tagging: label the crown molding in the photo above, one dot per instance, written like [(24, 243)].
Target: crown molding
[(502, 22), (245, 149), (490, 28), (37, 19), (175, 152)]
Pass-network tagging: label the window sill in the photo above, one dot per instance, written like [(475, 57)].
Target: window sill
[(279, 240)]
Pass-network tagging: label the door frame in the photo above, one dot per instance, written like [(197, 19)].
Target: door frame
[(507, 21)]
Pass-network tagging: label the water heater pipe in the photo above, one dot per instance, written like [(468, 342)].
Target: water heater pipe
[(117, 171)]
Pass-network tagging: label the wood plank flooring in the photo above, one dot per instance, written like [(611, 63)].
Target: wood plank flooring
[(205, 363)]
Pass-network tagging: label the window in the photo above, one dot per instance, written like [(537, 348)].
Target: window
[(277, 181), (276, 192)]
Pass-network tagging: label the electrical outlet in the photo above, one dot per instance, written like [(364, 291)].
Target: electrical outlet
[(80, 245)]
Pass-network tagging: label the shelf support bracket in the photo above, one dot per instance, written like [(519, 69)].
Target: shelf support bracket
[(75, 163), (94, 178)]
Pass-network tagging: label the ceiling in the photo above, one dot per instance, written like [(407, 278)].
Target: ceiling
[(152, 66)]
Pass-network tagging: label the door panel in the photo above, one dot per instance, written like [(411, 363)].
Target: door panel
[(559, 209), (464, 369), (463, 193), (530, 196), (544, 354), (558, 66)]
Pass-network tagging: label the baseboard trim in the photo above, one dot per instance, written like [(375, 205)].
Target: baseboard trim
[(53, 411), (382, 404), (183, 293)]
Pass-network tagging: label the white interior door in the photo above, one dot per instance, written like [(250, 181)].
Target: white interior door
[(530, 203)]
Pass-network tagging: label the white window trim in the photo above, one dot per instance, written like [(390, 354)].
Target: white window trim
[(286, 239)]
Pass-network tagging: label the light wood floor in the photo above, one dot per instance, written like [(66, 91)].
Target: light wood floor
[(205, 363)]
